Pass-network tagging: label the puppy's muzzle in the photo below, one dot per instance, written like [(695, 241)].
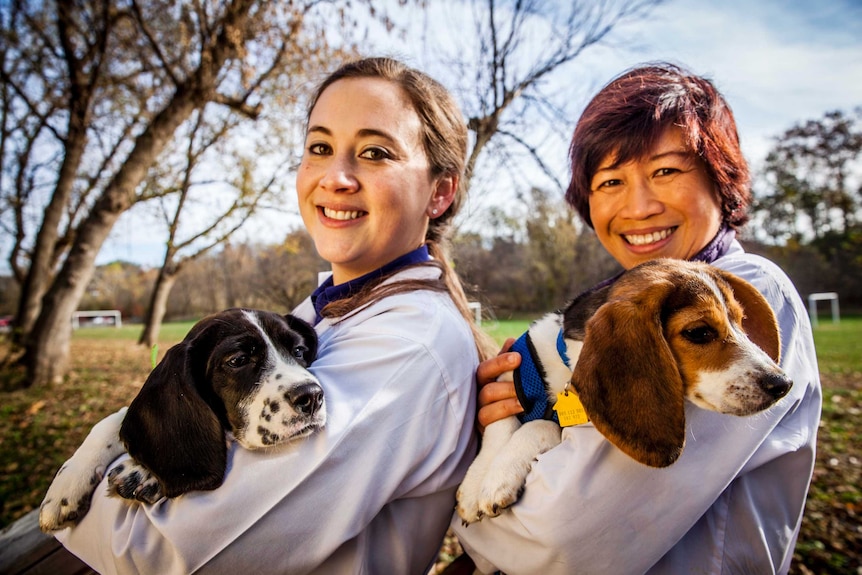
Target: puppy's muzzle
[(306, 398)]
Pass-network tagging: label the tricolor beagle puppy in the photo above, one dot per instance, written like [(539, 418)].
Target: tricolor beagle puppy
[(625, 357), (239, 374)]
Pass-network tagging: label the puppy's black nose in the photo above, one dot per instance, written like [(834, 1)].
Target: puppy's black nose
[(775, 384), (306, 398)]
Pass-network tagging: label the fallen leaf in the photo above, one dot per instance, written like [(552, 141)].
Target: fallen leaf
[(36, 407)]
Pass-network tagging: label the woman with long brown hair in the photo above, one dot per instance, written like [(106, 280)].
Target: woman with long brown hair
[(373, 491)]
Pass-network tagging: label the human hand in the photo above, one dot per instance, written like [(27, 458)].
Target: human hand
[(497, 399)]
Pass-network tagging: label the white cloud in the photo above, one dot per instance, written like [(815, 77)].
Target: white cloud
[(778, 63)]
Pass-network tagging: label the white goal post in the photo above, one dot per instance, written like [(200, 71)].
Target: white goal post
[(812, 306), (477, 311), (97, 317)]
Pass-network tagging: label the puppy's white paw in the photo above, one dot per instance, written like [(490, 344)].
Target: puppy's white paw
[(467, 497), (503, 487), (68, 497), (504, 482), (131, 480)]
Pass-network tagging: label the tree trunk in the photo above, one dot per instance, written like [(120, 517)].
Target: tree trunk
[(81, 88), (158, 305), (40, 273), (47, 348)]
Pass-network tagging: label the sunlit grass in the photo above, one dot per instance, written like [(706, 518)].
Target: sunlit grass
[(41, 427), (503, 329), (170, 332), (838, 347)]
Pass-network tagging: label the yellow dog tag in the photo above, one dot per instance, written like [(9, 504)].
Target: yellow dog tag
[(570, 410)]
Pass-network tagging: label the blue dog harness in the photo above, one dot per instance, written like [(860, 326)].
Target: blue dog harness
[(530, 380)]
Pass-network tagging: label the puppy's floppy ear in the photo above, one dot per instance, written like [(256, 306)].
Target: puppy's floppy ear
[(759, 322), (627, 378), (308, 334), (171, 430)]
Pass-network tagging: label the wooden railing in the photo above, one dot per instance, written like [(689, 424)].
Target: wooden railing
[(24, 549)]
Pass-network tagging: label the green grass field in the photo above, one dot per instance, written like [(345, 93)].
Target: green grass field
[(174, 331), (40, 428), (838, 350), (500, 330)]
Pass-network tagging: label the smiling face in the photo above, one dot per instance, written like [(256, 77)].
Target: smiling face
[(662, 205), (364, 184)]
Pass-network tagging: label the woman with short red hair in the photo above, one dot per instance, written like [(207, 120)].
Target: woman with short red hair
[(657, 172)]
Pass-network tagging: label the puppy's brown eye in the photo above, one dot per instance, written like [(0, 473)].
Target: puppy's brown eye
[(700, 335), (238, 360), (300, 351)]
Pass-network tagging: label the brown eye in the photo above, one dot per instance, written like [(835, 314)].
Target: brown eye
[(700, 335), (241, 358), (609, 185), (319, 149), (238, 360), (375, 153)]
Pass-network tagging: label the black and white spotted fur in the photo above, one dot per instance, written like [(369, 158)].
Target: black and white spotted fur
[(238, 375)]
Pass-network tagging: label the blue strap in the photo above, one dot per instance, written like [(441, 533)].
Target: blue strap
[(530, 380), (561, 349)]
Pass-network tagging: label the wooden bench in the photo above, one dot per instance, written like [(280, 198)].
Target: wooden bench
[(24, 549)]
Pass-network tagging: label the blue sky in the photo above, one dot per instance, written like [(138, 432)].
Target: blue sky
[(778, 63)]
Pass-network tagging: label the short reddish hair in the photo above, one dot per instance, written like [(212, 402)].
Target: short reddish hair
[(627, 117)]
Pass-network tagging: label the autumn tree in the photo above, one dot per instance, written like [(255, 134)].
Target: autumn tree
[(217, 183), (533, 259), (93, 93), (118, 285), (809, 200), (275, 277), (551, 236), (492, 268), (286, 273), (811, 188)]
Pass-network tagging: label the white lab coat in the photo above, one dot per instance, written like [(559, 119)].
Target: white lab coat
[(732, 503), (370, 493)]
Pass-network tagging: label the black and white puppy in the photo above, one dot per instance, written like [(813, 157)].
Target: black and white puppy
[(629, 355), (239, 374)]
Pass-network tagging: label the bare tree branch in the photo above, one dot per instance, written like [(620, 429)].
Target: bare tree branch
[(514, 60), (94, 94), (166, 66)]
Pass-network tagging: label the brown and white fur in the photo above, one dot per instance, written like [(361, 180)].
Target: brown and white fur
[(238, 375), (665, 331)]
